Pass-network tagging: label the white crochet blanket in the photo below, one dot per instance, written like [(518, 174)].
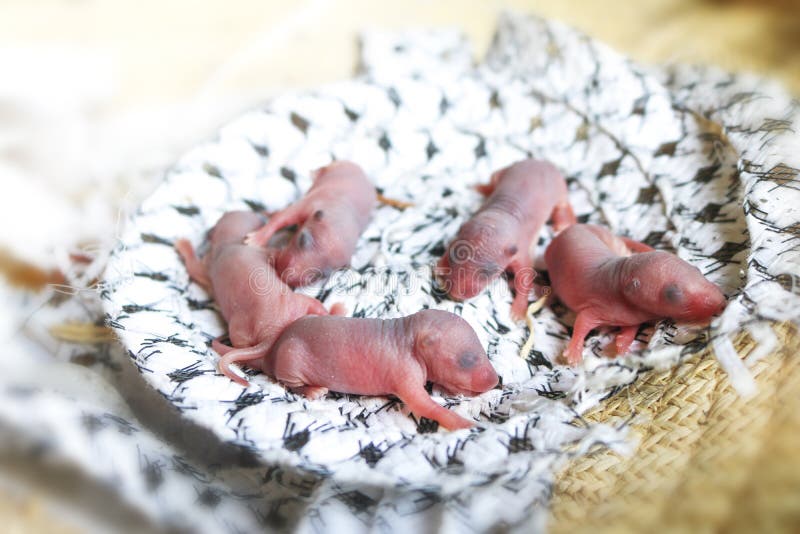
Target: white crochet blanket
[(697, 162)]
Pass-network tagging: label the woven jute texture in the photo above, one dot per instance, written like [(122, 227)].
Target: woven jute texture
[(707, 460)]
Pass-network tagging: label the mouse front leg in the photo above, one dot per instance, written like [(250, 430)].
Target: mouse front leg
[(294, 214), (524, 276), (422, 405), (636, 246), (584, 323), (625, 338)]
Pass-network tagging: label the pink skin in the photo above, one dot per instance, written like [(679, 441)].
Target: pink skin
[(498, 238), (381, 357), (256, 304), (613, 281), (331, 217)]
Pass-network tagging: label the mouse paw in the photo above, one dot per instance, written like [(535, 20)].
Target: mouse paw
[(253, 239), (311, 392), (518, 312), (571, 358), (458, 423), (338, 308)]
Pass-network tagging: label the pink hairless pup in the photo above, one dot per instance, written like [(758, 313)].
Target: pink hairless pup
[(256, 304), (613, 281), (380, 357), (331, 217), (521, 198)]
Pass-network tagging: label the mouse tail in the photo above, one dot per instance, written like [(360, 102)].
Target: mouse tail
[(219, 347), (245, 354)]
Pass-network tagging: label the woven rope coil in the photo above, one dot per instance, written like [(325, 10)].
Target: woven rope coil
[(708, 460)]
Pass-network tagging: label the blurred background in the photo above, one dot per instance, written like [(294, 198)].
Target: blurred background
[(98, 96)]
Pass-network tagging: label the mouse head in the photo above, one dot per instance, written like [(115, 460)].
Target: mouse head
[(336, 169), (666, 286), (345, 179), (478, 255), (310, 254), (451, 352), (232, 227)]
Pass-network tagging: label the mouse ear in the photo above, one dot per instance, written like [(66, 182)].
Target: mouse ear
[(496, 175), (488, 189), (427, 339)]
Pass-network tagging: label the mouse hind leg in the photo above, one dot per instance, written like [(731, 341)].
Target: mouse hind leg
[(288, 361), (584, 323), (313, 306), (194, 266), (563, 216)]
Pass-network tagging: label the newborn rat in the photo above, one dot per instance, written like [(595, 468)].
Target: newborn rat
[(499, 237), (382, 357), (612, 281), (331, 217), (253, 300)]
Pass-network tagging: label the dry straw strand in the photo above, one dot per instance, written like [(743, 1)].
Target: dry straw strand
[(708, 460)]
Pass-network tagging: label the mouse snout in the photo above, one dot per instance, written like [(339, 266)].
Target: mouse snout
[(459, 288), (448, 281), (707, 303), (296, 270), (466, 280), (714, 302), (484, 378)]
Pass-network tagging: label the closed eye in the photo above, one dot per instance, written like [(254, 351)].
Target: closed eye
[(304, 239), (489, 270), (673, 294), (468, 360)]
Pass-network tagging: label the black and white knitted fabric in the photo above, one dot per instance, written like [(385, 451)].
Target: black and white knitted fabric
[(694, 161)]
